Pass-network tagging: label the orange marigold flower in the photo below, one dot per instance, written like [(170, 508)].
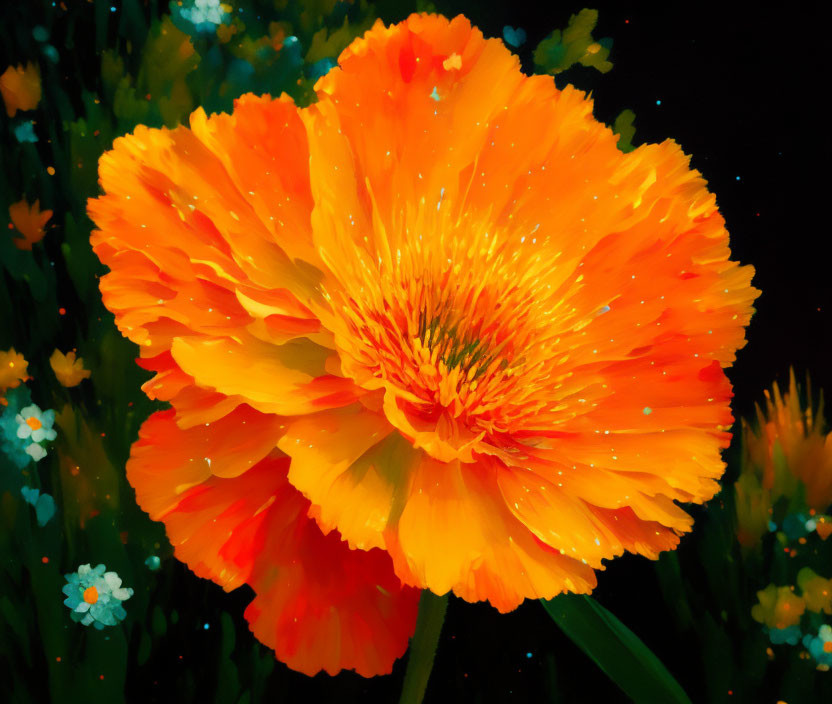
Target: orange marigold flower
[(488, 341), (29, 221), (68, 370), (816, 590), (778, 607), (12, 371), (20, 88), (790, 445)]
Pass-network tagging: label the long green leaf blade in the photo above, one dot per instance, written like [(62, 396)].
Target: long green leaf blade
[(618, 651)]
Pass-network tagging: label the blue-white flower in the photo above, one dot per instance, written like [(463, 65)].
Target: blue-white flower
[(95, 596), (790, 635), (35, 425), (13, 447), (820, 646), (205, 15)]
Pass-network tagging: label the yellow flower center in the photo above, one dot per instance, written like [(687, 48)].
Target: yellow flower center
[(34, 423), (827, 646), (90, 595), (464, 355)]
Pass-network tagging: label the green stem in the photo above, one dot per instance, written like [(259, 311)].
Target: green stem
[(423, 646)]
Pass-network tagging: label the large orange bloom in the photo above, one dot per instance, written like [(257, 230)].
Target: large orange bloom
[(489, 342)]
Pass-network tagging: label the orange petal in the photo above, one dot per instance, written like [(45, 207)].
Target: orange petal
[(227, 448), (263, 148), (318, 604), (446, 525), (287, 379), (322, 606), (349, 466), (406, 143), (190, 226), (456, 533)]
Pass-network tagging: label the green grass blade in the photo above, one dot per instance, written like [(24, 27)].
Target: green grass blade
[(618, 651)]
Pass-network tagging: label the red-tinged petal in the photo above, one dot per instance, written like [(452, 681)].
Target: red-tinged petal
[(318, 604), (322, 606)]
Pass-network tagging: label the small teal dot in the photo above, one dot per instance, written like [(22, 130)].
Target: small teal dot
[(207, 626), (435, 95), (658, 102), (529, 655), (738, 178), (112, 8), (647, 410)]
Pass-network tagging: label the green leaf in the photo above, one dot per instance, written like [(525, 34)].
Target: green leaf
[(624, 127), (615, 649)]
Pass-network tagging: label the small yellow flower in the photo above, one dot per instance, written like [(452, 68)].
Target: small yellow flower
[(817, 591), (69, 370), (12, 370), (20, 88), (779, 607), (29, 221)]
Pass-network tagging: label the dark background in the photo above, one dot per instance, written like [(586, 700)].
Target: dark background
[(739, 86)]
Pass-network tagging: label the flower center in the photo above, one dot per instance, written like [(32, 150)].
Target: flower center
[(34, 423), (827, 646), (91, 595), (458, 360), (465, 326)]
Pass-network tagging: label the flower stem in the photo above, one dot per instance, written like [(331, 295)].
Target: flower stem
[(423, 646)]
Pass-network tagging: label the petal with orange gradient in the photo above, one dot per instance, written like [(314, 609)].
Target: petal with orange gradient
[(350, 463), (232, 517), (322, 606), (455, 532), (207, 268)]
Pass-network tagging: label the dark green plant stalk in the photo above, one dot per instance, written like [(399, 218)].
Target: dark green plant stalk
[(423, 646)]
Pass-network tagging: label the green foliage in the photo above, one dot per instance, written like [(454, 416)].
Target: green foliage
[(150, 68), (574, 45), (615, 649), (624, 127)]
